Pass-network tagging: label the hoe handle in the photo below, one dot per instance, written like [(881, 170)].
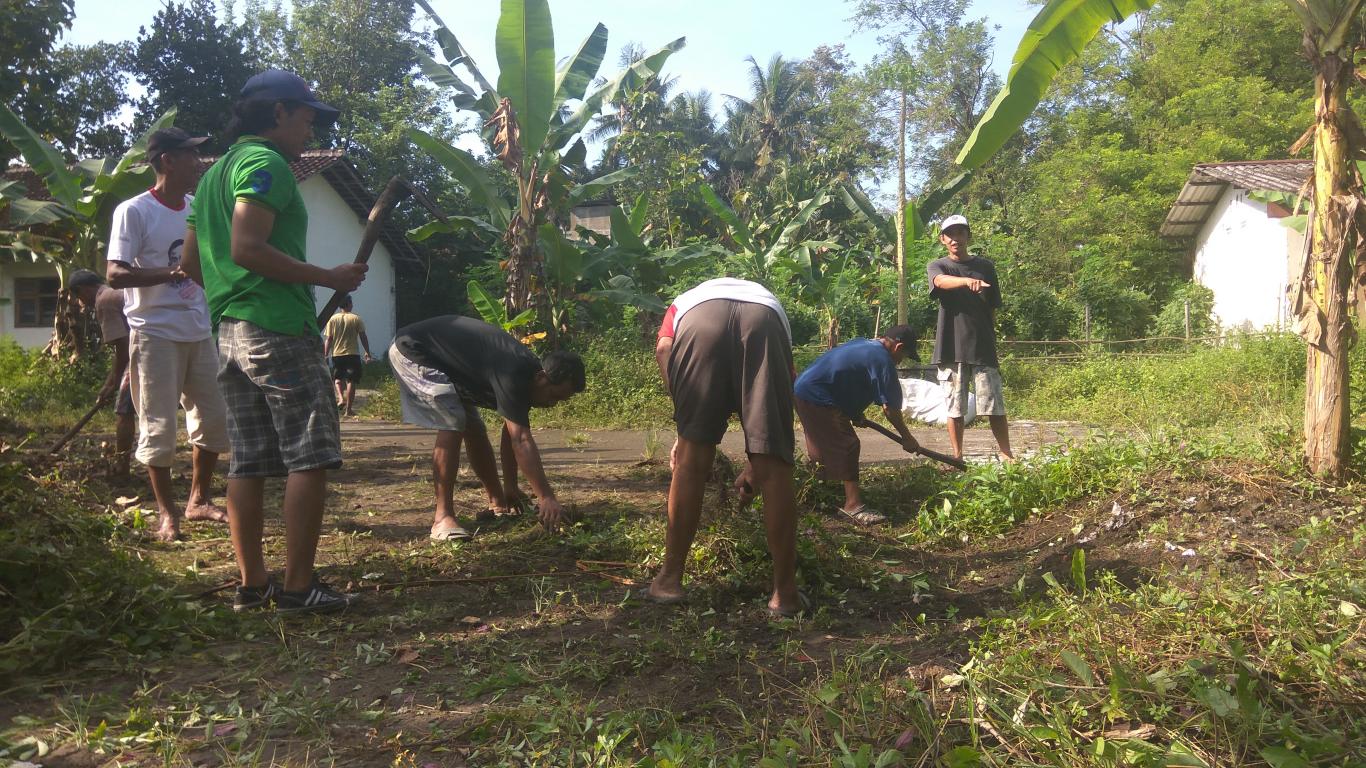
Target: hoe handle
[(956, 463)]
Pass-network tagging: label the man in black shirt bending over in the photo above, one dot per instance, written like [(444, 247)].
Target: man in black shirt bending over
[(965, 340), (447, 368)]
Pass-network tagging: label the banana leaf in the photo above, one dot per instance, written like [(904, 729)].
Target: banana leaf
[(469, 173), (1054, 39), (525, 43), (573, 79)]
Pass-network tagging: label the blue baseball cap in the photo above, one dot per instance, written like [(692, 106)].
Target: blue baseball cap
[(287, 86)]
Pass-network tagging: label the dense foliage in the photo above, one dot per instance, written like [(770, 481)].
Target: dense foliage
[(1069, 209)]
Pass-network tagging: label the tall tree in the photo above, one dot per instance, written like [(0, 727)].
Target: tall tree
[(89, 89), (28, 31), (951, 57), (191, 61)]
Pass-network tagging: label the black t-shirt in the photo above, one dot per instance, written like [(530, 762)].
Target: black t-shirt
[(965, 333), (488, 367)]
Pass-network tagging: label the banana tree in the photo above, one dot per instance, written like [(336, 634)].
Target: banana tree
[(622, 268), (1331, 29), (71, 230), (532, 121), (759, 244)]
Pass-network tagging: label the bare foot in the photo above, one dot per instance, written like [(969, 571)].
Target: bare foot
[(169, 530), (447, 529), (1007, 458), (788, 607), (206, 511), (664, 592)]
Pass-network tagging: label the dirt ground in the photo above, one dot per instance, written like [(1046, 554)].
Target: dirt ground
[(561, 448), (459, 652)]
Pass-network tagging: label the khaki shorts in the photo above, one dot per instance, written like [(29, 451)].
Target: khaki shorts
[(831, 440), (986, 384), (164, 374), (429, 399), (733, 357)]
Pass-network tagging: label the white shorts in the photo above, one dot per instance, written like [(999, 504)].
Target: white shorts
[(429, 399), (164, 374), (986, 384)]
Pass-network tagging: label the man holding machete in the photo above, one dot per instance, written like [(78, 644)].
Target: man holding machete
[(832, 395), (246, 245)]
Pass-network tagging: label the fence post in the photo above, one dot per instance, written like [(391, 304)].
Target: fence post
[(1188, 319), (1086, 325)]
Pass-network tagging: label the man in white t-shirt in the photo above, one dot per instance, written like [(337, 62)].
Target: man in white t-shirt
[(172, 356)]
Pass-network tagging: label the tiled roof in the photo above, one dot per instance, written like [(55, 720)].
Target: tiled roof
[(1208, 181)]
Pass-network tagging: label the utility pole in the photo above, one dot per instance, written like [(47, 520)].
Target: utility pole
[(901, 214)]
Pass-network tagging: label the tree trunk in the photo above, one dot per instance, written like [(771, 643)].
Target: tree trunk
[(1327, 276), (901, 215)]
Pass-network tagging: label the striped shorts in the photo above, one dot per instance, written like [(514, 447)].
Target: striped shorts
[(281, 414)]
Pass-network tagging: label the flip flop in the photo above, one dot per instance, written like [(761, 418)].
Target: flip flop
[(451, 534), (804, 606), (644, 594)]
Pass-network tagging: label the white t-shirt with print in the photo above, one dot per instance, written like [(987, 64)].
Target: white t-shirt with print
[(149, 234)]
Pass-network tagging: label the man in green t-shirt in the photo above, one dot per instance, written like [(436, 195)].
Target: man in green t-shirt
[(246, 246)]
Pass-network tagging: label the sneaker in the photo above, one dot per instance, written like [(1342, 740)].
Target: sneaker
[(251, 598), (862, 515), (318, 598)]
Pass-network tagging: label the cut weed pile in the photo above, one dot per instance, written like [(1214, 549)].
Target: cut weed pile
[(74, 583), (1123, 604)]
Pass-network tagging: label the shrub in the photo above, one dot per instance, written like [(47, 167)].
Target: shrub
[(45, 390)]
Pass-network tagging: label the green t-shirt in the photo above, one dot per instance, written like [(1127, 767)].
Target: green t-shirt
[(255, 171)]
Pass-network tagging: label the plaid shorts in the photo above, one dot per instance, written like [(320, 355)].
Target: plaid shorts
[(281, 414)]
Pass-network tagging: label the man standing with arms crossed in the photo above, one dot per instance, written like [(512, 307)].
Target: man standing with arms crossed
[(342, 342), (965, 339), (246, 244), (171, 351)]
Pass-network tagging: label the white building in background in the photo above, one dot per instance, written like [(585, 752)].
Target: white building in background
[(338, 204), (1240, 248)]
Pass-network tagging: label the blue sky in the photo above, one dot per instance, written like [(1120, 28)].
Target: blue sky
[(721, 33)]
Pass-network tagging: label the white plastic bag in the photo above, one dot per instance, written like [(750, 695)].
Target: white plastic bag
[(926, 401)]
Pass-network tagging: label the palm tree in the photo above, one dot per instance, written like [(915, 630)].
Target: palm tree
[(775, 118)]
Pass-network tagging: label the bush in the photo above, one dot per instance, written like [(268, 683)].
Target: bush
[(45, 390)]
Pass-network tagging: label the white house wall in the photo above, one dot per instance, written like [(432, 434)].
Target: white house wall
[(27, 338), (1242, 255), (334, 233)]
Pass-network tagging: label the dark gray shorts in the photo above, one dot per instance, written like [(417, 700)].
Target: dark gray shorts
[(282, 416), (733, 357)]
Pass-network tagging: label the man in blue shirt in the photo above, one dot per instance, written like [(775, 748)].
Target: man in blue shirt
[(831, 396)]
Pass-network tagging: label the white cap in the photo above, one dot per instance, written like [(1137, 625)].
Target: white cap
[(953, 221)]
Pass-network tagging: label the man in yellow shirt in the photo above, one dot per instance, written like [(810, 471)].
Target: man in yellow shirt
[(344, 330)]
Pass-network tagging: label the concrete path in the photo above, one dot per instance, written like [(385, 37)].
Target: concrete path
[(561, 448)]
